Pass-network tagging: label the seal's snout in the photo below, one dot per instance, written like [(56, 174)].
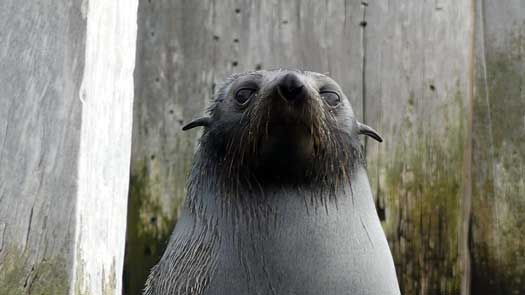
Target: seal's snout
[(291, 88)]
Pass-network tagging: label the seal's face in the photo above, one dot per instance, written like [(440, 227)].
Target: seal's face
[(283, 125)]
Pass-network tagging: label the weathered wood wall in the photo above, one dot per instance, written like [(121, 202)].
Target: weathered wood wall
[(66, 92), (498, 149), (449, 177)]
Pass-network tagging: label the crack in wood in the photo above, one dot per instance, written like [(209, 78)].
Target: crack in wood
[(466, 199), (364, 5), (29, 228), (3, 227), (28, 280)]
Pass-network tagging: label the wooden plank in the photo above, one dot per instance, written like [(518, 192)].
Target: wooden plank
[(418, 96), (173, 80), (498, 206), (39, 139), (64, 163), (105, 147)]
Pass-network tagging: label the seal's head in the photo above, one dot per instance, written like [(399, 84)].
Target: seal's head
[(282, 127)]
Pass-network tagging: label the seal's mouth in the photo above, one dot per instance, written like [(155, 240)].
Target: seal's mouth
[(287, 126), (295, 134), (289, 138), (295, 126)]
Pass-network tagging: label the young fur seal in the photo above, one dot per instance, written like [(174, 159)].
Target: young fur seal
[(278, 197)]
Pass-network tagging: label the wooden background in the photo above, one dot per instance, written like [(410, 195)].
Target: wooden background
[(441, 79)]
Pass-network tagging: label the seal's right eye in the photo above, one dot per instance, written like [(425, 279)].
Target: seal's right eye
[(243, 96), (331, 97)]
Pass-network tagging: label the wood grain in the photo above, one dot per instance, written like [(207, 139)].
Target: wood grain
[(65, 130)]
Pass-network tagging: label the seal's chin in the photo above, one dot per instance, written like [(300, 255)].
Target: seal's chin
[(287, 150)]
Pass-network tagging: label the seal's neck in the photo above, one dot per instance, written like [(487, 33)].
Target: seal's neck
[(218, 185)]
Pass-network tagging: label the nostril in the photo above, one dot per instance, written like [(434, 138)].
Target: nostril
[(291, 88)]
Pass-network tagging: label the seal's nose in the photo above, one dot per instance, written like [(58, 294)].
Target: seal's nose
[(291, 88)]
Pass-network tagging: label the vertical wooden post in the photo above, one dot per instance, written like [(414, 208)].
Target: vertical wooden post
[(66, 93)]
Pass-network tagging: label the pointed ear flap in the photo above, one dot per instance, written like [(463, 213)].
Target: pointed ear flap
[(369, 131), (203, 121)]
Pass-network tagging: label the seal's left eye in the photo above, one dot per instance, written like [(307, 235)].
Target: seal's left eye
[(243, 95), (332, 98)]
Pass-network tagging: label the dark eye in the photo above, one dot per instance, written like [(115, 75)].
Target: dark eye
[(243, 95), (332, 98)]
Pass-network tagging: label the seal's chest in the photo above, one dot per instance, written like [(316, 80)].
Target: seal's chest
[(327, 250)]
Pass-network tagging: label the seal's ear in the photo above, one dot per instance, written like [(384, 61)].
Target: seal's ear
[(203, 121), (367, 130)]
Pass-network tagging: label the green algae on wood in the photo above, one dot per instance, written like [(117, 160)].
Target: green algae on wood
[(19, 276), (423, 184), (149, 223)]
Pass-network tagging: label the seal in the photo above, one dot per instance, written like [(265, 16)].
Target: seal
[(278, 199)]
